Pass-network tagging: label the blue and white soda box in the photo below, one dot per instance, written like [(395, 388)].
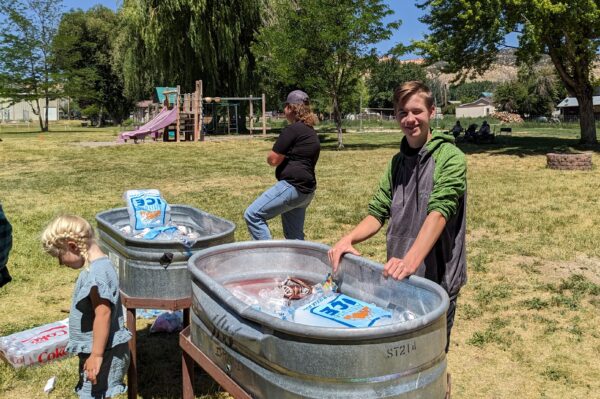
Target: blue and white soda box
[(340, 310)]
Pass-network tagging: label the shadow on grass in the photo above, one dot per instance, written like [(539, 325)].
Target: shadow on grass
[(159, 368), (523, 146), (520, 146)]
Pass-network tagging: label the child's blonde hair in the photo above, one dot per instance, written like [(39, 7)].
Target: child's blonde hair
[(68, 228)]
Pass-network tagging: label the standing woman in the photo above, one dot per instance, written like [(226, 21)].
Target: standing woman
[(295, 155)]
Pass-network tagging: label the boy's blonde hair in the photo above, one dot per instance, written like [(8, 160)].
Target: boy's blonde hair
[(68, 228), (304, 114)]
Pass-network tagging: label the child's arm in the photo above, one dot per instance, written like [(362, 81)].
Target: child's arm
[(102, 309)]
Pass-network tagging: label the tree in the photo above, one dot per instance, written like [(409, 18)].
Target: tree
[(533, 93), (83, 49), (510, 96), (323, 47), (176, 42), (467, 92), (387, 75), (468, 34), (26, 69)]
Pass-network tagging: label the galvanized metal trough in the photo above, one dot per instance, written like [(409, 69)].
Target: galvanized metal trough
[(158, 268), (273, 358)]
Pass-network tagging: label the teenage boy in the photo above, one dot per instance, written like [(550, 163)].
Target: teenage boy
[(423, 194)]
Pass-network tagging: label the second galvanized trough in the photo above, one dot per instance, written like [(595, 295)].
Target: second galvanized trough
[(158, 268), (274, 358)]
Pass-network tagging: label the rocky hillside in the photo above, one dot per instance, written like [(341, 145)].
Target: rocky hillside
[(504, 69)]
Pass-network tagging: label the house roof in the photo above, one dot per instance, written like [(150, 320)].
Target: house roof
[(572, 102), (482, 102)]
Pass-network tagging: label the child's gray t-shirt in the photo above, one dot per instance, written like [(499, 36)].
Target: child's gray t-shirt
[(102, 275)]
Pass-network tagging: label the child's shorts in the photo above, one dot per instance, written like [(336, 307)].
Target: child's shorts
[(109, 382)]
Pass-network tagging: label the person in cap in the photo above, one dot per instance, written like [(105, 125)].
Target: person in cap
[(294, 155), (422, 196)]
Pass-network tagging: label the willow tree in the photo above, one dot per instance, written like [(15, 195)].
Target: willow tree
[(468, 34), (323, 46), (179, 41)]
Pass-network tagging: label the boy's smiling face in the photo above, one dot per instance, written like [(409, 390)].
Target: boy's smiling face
[(414, 117)]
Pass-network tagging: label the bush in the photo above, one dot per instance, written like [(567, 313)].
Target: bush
[(127, 122)]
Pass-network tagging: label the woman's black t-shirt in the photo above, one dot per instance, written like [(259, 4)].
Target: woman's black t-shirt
[(300, 145)]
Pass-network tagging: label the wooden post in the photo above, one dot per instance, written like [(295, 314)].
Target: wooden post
[(177, 104), (251, 116), (228, 120), (187, 106), (197, 102), (264, 117), (201, 111)]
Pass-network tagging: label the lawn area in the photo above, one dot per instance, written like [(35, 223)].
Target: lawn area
[(527, 320)]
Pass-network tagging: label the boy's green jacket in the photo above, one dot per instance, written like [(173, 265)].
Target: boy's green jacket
[(416, 184)]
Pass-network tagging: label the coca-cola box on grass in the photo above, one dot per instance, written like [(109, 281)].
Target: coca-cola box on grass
[(38, 345)]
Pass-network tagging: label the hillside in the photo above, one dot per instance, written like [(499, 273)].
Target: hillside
[(504, 69)]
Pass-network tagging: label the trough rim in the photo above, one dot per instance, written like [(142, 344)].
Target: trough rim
[(295, 329)]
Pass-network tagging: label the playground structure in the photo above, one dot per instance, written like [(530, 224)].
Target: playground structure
[(187, 118)]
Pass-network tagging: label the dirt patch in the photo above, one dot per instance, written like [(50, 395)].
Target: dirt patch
[(584, 265), (589, 267), (208, 139)]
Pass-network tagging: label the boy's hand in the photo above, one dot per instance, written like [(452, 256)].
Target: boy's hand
[(399, 269), (91, 367), (339, 249)]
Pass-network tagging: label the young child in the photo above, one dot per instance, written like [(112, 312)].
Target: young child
[(96, 331)]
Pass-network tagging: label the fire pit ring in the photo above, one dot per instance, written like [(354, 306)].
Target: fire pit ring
[(572, 161)]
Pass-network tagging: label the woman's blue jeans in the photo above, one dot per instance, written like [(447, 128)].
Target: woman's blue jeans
[(281, 199)]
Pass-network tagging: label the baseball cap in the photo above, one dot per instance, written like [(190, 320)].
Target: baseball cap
[(297, 97)]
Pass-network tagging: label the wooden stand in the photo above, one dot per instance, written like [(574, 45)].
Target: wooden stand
[(133, 303), (191, 354)]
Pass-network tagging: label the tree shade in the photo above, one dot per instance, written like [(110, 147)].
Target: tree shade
[(468, 34)]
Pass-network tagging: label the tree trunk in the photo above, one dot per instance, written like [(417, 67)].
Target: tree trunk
[(45, 128), (39, 114), (579, 85), (338, 122), (587, 121), (100, 116)]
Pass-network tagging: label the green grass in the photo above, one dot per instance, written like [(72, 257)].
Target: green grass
[(528, 315)]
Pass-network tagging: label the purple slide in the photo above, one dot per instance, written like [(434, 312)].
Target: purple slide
[(164, 118)]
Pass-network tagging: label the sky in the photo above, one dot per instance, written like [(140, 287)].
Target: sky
[(411, 28)]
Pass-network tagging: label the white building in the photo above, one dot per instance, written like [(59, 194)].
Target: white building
[(481, 108), (569, 107), (23, 111)]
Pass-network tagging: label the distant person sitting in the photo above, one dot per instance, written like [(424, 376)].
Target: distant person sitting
[(471, 132), (485, 129), (457, 129), (485, 134)]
